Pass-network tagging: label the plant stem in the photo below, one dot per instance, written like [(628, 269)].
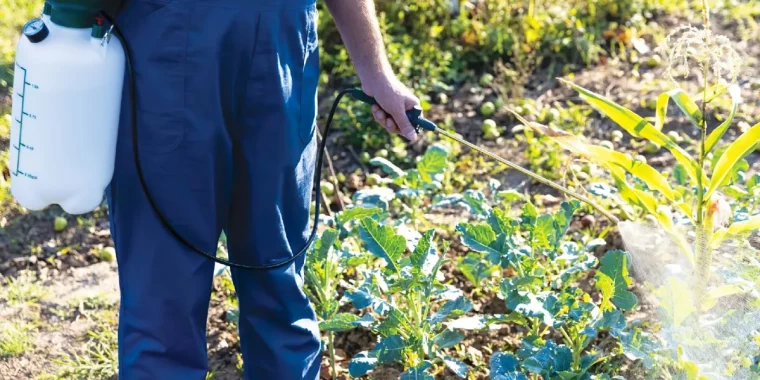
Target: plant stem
[(332, 355), (702, 251)]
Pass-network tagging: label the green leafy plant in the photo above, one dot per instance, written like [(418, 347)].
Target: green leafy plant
[(406, 303), (542, 295)]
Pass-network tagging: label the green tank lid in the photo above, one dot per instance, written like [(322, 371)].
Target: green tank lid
[(76, 13)]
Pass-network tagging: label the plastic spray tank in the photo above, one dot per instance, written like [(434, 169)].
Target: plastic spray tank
[(67, 89)]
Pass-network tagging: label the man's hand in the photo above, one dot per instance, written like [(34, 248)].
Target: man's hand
[(393, 100), (360, 32)]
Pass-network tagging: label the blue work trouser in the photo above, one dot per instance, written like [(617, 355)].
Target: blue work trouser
[(226, 103)]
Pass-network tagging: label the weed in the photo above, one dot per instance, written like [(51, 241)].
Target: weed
[(25, 288), (98, 358), (15, 338)]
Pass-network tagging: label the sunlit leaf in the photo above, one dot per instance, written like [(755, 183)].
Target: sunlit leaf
[(448, 338), (683, 101), (638, 127), (340, 322), (424, 249), (382, 241), (355, 213), (387, 167), (417, 373), (324, 243), (735, 152), (389, 349), (735, 229), (676, 300), (549, 360), (361, 363), (503, 364), (460, 369), (718, 132), (453, 308), (433, 162), (613, 280), (711, 298), (649, 175), (475, 268), (478, 237)]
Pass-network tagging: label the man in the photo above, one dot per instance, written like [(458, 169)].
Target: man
[(226, 102)]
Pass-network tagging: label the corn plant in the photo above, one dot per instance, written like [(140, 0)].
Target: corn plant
[(696, 197), (406, 303)]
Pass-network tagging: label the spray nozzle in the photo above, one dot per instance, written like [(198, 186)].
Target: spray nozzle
[(414, 115)]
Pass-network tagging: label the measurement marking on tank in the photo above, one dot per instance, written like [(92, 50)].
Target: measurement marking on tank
[(27, 175), (20, 121)]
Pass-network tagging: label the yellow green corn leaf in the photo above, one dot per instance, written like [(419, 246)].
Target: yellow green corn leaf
[(638, 127), (715, 135), (686, 209), (640, 198), (607, 157), (683, 101), (735, 229), (716, 91), (735, 152), (675, 299), (646, 201), (714, 294)]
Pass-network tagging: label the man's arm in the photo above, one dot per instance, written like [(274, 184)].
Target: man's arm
[(360, 32)]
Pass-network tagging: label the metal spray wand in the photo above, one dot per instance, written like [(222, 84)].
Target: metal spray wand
[(420, 123)]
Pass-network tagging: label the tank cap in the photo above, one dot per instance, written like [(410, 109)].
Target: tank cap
[(35, 30)]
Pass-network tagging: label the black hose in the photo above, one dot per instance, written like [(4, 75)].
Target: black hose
[(164, 220)]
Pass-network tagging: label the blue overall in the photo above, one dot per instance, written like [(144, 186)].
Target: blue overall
[(226, 97)]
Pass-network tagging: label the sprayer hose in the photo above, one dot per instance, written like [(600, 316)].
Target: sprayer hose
[(157, 210)]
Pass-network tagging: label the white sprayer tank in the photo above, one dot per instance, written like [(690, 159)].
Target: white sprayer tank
[(65, 115)]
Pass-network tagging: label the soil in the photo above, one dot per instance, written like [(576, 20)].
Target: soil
[(71, 269)]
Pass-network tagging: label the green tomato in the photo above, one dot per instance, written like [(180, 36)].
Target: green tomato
[(616, 135), (372, 179), (499, 102), (382, 153), (486, 80), (59, 224), (554, 114), (654, 61), (675, 136), (651, 148), (327, 188), (341, 177), (107, 254), (489, 129), (487, 109), (607, 144), (364, 157)]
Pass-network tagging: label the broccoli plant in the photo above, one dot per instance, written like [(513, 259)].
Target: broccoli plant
[(409, 202), (406, 303)]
